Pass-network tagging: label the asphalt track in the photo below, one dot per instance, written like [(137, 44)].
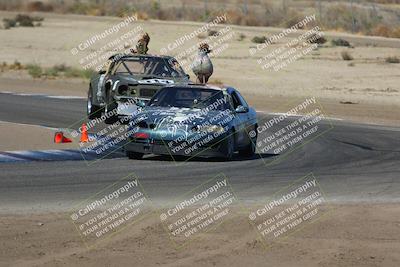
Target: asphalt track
[(352, 162)]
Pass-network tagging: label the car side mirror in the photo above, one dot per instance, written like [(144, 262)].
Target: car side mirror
[(102, 72), (241, 109), (141, 104), (187, 76)]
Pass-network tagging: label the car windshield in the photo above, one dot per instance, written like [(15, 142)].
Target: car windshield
[(182, 97), (152, 66)]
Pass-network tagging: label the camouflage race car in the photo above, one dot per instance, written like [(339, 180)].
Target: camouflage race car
[(128, 79), (194, 121)]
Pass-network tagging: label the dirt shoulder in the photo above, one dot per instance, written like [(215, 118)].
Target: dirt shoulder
[(16, 136), (351, 235), (21, 82)]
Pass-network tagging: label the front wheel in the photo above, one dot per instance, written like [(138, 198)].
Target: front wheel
[(251, 147), (93, 111), (134, 155), (229, 144)]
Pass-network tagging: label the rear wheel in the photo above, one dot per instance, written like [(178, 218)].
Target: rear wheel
[(134, 155), (93, 111)]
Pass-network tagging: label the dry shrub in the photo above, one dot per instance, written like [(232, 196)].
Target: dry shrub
[(237, 17), (381, 30), (166, 15), (3, 66), (11, 5), (212, 33), (94, 11), (78, 8), (385, 31), (9, 23), (272, 15), (34, 70), (16, 66), (346, 55), (234, 17), (316, 38), (142, 15), (276, 15), (294, 17), (251, 19), (23, 21), (340, 42), (241, 37), (393, 59), (259, 13), (26, 20), (39, 6), (340, 16), (396, 32), (259, 39), (333, 20), (388, 1)]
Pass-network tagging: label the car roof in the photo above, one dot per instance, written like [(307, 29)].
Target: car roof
[(197, 86), (128, 56)]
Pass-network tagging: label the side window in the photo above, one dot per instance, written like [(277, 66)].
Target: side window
[(235, 100), (114, 68), (242, 101), (238, 100)]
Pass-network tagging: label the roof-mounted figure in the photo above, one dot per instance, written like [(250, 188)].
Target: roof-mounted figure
[(202, 66), (142, 45)]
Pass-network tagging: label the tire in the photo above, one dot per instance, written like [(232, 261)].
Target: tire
[(134, 155), (110, 107), (229, 148), (93, 111), (251, 148)]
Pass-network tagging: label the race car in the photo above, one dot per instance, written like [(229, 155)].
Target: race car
[(127, 79), (193, 121)]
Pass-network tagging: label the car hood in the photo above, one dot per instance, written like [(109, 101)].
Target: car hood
[(161, 118), (145, 79)]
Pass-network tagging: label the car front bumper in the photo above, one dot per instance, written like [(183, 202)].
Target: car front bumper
[(215, 148)]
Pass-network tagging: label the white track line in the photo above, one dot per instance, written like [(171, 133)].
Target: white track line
[(44, 95), (44, 155), (294, 115), (37, 125), (9, 158)]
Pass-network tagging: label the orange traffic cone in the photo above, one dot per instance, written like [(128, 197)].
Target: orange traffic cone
[(60, 138), (84, 135)]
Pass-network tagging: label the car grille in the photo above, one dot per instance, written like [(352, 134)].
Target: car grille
[(147, 92), (159, 142)]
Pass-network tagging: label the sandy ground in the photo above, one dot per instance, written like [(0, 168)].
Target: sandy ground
[(21, 82), (370, 83), (16, 136), (351, 235)]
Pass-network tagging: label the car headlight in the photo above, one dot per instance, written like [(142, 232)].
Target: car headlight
[(211, 129)]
